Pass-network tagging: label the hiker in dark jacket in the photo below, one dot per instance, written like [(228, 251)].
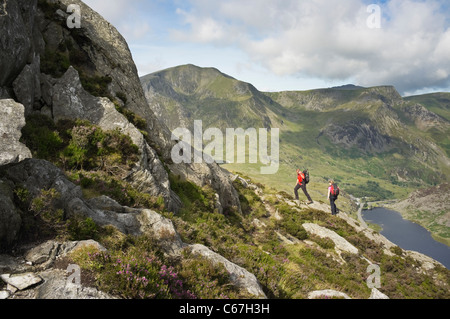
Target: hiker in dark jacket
[(301, 184)]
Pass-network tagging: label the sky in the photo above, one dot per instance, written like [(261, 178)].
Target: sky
[(282, 45)]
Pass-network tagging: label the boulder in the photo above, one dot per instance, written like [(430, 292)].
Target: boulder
[(125, 223), (36, 175), (341, 244), (12, 120), (163, 229), (56, 286), (4, 294), (21, 281), (327, 294), (42, 253), (238, 275)]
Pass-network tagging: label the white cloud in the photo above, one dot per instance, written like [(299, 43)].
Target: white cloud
[(331, 39), (125, 16)]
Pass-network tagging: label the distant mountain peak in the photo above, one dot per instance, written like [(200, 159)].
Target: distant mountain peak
[(348, 87)]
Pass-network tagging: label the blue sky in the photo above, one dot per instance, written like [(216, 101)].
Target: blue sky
[(280, 45)]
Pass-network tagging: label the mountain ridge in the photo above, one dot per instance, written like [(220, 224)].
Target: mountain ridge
[(381, 137), (362, 120)]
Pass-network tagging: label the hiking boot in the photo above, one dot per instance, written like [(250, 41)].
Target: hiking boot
[(311, 202)]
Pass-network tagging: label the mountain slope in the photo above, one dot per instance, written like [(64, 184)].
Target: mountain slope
[(181, 94), (364, 133)]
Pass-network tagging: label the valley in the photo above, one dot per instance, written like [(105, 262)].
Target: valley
[(374, 143)]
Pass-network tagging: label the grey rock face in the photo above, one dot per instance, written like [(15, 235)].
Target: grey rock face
[(71, 101), (364, 136), (11, 122), (28, 33), (36, 175), (10, 220), (27, 86), (15, 41)]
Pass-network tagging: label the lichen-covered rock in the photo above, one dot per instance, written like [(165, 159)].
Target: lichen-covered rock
[(27, 86), (71, 101), (12, 120), (238, 275), (327, 294), (16, 23), (341, 244)]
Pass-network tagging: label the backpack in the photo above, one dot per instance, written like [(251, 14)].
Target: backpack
[(334, 190), (306, 173)]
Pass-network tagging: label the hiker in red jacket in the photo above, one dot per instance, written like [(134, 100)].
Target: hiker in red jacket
[(332, 196), (301, 184)]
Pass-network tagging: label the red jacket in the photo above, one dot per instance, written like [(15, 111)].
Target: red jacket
[(300, 177)]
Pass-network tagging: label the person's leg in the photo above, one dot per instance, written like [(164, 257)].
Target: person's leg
[(333, 205), (306, 193), (297, 187)]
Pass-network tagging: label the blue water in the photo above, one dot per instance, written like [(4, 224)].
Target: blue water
[(408, 235)]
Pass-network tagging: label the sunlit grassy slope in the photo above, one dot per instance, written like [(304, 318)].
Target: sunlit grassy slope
[(366, 139)]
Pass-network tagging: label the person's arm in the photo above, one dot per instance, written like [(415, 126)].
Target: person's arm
[(329, 190)]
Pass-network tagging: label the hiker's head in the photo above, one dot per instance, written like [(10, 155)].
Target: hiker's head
[(331, 181)]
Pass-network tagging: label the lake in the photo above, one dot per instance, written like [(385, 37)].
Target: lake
[(408, 235)]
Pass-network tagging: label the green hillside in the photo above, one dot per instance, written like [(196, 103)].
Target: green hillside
[(365, 138)]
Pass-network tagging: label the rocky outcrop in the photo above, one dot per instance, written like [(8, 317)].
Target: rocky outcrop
[(238, 275), (11, 151), (364, 136), (36, 37), (341, 244), (33, 276), (334, 294), (11, 122), (424, 119), (71, 101), (16, 42), (327, 294), (36, 175), (10, 219)]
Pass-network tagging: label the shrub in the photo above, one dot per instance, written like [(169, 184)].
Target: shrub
[(134, 271), (207, 280), (91, 148), (44, 206), (22, 198), (54, 63), (97, 183), (292, 224), (193, 197), (397, 250), (41, 136), (96, 85), (83, 229), (325, 243)]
